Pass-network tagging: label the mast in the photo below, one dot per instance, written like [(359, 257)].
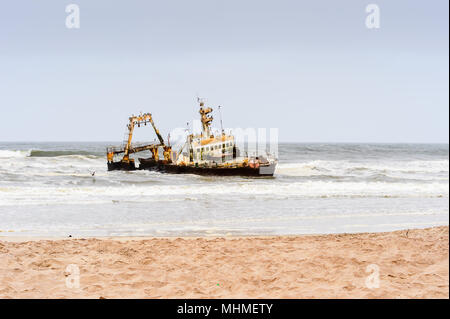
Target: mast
[(221, 124), (206, 118)]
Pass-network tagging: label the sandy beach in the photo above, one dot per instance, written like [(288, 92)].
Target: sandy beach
[(400, 264)]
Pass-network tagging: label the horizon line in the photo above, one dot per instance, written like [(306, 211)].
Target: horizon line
[(280, 142)]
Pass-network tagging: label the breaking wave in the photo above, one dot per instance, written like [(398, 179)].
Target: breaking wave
[(342, 167), (138, 192), (14, 154), (38, 153)]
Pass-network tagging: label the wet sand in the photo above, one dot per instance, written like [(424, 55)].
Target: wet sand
[(410, 264)]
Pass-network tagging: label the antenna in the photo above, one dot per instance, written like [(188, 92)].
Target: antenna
[(220, 116), (201, 100), (194, 107)]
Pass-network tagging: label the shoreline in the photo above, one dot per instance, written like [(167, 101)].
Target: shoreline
[(25, 238), (411, 264)]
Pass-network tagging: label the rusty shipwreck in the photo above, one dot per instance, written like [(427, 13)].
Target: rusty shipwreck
[(205, 153)]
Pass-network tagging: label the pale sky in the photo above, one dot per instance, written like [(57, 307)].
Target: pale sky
[(312, 69)]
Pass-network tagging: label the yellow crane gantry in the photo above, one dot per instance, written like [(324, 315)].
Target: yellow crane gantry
[(128, 149)]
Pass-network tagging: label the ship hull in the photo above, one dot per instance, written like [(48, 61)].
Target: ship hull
[(267, 170), (148, 164), (121, 166)]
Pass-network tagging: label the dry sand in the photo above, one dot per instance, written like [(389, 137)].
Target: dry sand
[(411, 264)]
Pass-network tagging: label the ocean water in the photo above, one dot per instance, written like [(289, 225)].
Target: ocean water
[(46, 189)]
